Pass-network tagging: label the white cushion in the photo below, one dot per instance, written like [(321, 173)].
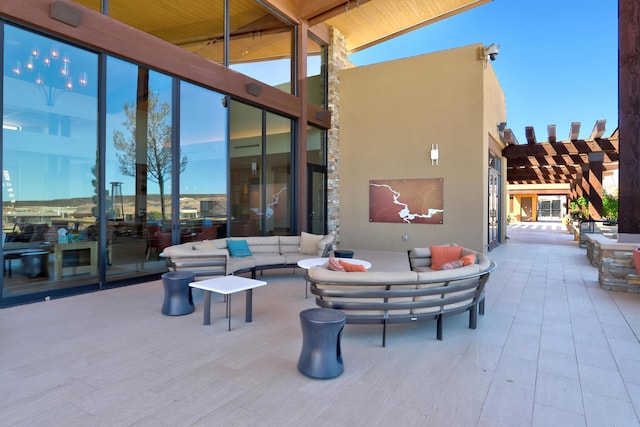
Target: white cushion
[(309, 243)]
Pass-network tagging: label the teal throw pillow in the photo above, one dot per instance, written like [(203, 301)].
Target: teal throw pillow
[(238, 248)]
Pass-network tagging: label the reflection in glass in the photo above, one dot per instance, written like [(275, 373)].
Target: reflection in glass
[(203, 183), (245, 158), (49, 148), (316, 145), (261, 45), (316, 73), (278, 189), (138, 164)]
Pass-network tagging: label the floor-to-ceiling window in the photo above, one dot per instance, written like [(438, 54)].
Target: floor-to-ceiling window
[(138, 164), (203, 148), (49, 158), (277, 209), (261, 174)]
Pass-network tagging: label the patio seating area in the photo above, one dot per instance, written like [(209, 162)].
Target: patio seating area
[(553, 348)]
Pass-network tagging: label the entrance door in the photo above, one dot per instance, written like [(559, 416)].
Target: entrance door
[(526, 204), (316, 201), (494, 206)]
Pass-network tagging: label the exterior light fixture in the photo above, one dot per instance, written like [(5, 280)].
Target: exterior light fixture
[(435, 154)]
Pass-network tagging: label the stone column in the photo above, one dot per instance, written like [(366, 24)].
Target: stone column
[(337, 61)]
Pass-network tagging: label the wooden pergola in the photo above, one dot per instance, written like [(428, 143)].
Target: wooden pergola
[(582, 163)]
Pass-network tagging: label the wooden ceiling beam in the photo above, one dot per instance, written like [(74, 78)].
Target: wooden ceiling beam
[(321, 10)]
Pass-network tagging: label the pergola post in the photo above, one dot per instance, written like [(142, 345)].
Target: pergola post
[(595, 185), (629, 120)]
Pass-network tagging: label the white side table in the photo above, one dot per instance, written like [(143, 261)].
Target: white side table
[(227, 285)]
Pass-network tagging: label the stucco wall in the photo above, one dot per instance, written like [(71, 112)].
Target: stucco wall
[(391, 113)]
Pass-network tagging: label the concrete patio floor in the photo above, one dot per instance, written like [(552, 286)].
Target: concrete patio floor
[(552, 349)]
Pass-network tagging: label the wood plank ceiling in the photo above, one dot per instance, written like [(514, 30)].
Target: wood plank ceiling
[(197, 25), (555, 162)]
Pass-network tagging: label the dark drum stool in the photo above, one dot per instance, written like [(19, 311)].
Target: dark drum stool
[(321, 356), (343, 253), (35, 264), (177, 293)]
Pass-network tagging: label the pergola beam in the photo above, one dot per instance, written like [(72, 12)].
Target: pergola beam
[(574, 133), (551, 131), (531, 135), (598, 129)]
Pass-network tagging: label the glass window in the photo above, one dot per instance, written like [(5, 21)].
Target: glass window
[(138, 164), (260, 44), (196, 26), (316, 73), (278, 189), (261, 180), (316, 145), (203, 148), (245, 158), (49, 130)]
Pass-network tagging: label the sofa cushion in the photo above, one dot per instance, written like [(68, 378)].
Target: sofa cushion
[(289, 244), (210, 244), (444, 254), (263, 244), (309, 243), (381, 277), (238, 248)]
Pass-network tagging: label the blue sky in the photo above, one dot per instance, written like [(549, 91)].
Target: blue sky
[(558, 60)]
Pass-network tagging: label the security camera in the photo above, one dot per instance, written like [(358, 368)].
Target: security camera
[(492, 51)]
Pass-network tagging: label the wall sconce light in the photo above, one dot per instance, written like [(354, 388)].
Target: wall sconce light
[(435, 154), (253, 89), (254, 166)]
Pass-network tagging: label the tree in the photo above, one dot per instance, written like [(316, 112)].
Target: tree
[(158, 148)]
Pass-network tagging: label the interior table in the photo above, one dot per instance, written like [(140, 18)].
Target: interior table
[(227, 285)]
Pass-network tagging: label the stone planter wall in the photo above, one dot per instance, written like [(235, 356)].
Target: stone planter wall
[(614, 262)]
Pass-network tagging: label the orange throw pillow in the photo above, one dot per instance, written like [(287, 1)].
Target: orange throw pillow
[(352, 267), (469, 259), (444, 254)]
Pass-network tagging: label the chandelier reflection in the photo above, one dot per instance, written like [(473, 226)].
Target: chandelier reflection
[(51, 73)]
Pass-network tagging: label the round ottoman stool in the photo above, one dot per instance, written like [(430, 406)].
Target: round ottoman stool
[(321, 356), (177, 293)]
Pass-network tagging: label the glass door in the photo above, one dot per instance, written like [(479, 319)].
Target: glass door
[(317, 201)]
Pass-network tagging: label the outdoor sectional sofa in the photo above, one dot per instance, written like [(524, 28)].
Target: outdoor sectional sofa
[(220, 256), (394, 297)]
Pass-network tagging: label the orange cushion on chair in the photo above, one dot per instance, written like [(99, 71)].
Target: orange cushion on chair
[(444, 254), (352, 267), (469, 259)]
